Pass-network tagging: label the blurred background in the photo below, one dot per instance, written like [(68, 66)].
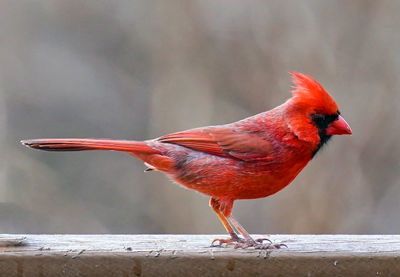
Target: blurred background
[(141, 69)]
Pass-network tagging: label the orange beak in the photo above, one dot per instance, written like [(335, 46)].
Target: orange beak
[(338, 127)]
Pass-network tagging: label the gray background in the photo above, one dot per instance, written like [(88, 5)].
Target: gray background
[(141, 69)]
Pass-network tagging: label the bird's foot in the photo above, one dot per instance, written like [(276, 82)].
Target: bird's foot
[(259, 244), (246, 243), (226, 242)]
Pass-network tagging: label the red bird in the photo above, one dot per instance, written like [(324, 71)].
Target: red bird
[(251, 158)]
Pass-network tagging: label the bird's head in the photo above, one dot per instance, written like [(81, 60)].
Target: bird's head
[(315, 116)]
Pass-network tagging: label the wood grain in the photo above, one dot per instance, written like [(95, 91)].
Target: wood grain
[(181, 255)]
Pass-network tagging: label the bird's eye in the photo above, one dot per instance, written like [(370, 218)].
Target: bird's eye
[(318, 117), (322, 120)]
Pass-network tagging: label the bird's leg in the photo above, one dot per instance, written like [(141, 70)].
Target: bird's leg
[(240, 229), (234, 237), (249, 241), (223, 211), (215, 205)]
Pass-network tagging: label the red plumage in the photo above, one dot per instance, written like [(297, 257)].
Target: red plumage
[(252, 158)]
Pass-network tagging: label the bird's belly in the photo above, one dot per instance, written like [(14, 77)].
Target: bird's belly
[(265, 183), (228, 178)]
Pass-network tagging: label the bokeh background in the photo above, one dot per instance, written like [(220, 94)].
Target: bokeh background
[(140, 69)]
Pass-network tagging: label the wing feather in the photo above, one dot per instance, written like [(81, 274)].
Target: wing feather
[(222, 141)]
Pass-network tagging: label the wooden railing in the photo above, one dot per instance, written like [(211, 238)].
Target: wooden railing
[(191, 255)]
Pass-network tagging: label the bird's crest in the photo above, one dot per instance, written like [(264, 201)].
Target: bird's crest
[(308, 92)]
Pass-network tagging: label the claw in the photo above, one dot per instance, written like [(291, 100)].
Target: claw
[(262, 240), (280, 245)]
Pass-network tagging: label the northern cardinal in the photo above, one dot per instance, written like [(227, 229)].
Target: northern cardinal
[(251, 158)]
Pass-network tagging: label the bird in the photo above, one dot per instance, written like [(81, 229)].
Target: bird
[(247, 159)]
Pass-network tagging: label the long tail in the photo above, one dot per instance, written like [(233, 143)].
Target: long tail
[(89, 144)]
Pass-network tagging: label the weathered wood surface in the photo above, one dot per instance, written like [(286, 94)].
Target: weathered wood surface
[(190, 255)]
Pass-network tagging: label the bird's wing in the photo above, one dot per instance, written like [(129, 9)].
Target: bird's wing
[(222, 141)]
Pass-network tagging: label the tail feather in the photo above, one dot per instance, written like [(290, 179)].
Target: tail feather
[(89, 144)]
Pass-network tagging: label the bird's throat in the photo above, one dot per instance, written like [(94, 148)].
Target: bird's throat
[(323, 139)]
